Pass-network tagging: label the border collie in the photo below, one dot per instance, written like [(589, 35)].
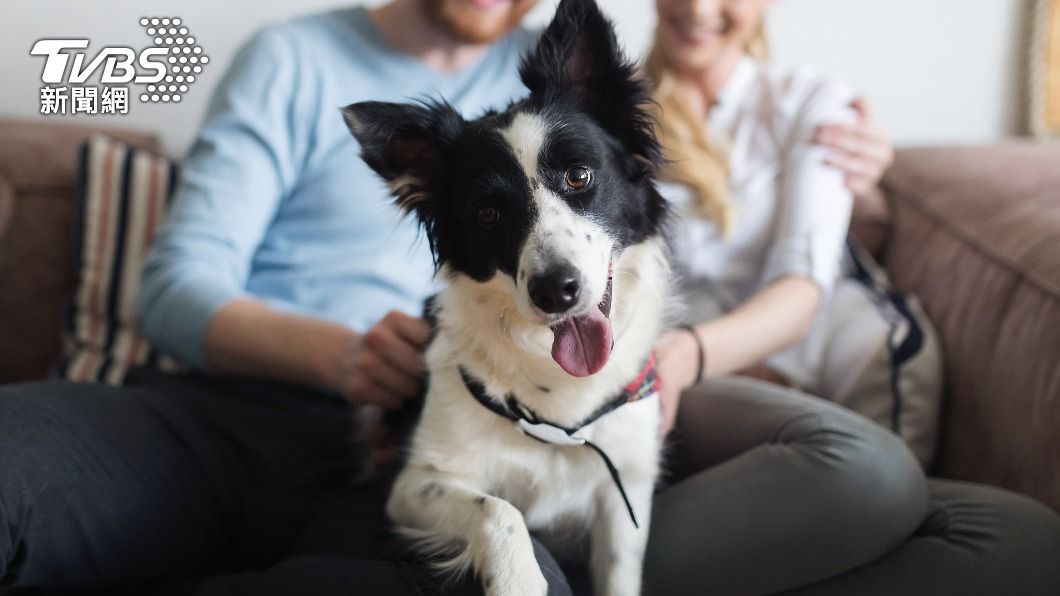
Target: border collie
[(545, 222)]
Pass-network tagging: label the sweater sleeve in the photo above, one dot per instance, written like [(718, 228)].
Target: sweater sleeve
[(246, 159), (813, 201)]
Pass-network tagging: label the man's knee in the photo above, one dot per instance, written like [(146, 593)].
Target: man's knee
[(37, 452), (25, 433), (17, 429), (33, 419)]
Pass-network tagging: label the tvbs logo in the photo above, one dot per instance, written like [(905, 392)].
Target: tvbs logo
[(165, 69), (118, 63)]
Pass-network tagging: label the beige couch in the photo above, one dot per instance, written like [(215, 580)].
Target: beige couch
[(974, 231)]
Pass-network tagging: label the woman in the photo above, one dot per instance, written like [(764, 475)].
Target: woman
[(779, 491), (794, 208)]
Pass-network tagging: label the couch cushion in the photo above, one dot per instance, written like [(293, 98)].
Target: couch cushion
[(38, 162), (123, 199), (976, 235)]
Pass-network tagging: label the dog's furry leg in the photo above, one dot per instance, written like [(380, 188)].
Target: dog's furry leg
[(489, 534), (617, 547)]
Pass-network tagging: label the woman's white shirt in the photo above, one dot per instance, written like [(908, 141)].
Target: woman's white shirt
[(791, 209), (792, 212)]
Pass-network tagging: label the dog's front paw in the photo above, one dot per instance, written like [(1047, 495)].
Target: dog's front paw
[(523, 579)]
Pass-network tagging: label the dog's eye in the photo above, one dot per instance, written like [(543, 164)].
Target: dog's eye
[(578, 177), (487, 216)]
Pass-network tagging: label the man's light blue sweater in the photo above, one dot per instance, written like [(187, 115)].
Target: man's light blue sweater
[(274, 201)]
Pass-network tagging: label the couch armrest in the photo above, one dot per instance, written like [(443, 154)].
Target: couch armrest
[(976, 235)]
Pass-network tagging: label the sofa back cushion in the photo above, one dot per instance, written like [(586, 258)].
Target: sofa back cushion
[(38, 165), (976, 235)]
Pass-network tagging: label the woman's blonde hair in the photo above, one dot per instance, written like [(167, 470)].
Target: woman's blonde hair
[(694, 159)]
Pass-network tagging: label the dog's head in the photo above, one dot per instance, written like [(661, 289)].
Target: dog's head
[(544, 195)]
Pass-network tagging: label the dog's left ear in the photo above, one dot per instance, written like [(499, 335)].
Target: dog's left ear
[(404, 144), (578, 54)]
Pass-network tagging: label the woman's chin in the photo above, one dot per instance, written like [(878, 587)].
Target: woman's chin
[(692, 62)]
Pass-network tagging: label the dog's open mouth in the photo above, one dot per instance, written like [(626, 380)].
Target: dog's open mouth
[(582, 345)]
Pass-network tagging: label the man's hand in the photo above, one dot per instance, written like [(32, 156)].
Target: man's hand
[(384, 365), (863, 150), (676, 354)]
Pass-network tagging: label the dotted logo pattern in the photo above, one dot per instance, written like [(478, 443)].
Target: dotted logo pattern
[(185, 58)]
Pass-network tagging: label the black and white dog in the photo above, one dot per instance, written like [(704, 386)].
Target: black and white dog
[(545, 222)]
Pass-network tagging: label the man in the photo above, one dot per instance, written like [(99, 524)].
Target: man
[(287, 280), (281, 276)]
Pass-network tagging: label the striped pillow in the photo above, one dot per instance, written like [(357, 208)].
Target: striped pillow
[(122, 198)]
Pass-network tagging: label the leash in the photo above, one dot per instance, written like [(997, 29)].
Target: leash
[(646, 384)]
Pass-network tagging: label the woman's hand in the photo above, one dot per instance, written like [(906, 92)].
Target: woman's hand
[(384, 365), (863, 150), (676, 354)]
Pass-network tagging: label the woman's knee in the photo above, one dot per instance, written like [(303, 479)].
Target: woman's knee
[(867, 471), (856, 475), (1005, 539), (840, 453)]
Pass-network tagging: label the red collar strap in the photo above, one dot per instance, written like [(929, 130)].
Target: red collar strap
[(646, 383)]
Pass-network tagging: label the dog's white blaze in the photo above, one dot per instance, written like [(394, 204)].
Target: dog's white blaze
[(559, 235), (526, 136)]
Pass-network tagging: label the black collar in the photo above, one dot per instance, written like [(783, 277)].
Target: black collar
[(645, 385)]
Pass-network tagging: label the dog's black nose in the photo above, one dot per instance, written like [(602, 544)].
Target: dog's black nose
[(556, 290)]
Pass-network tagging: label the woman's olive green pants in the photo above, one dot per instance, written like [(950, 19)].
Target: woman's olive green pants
[(773, 491)]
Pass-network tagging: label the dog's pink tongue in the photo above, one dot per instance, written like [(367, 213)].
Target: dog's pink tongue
[(582, 344)]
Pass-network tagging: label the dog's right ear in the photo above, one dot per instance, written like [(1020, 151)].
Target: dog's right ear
[(404, 144)]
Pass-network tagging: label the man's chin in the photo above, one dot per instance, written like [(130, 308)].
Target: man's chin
[(471, 24)]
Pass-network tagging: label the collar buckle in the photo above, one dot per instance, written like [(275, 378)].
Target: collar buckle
[(548, 433)]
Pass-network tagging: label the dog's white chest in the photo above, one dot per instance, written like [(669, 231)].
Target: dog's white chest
[(563, 479), (550, 482)]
